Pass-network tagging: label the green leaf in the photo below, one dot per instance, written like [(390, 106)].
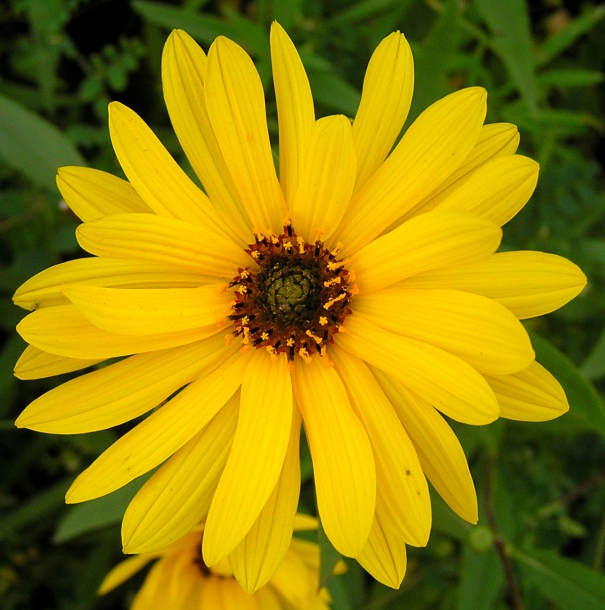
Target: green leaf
[(32, 145), (334, 92), (365, 9), (285, 12), (433, 60), (570, 585), (36, 509), (205, 28), (587, 410), (445, 520), (328, 555), (509, 22), (572, 77), (99, 513), (481, 579), (594, 365), (564, 38)]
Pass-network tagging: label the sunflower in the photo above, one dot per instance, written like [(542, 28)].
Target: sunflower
[(180, 579), (360, 294)]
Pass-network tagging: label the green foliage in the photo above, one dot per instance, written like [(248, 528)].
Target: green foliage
[(540, 486)]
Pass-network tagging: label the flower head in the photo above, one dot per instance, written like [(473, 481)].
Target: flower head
[(359, 293), (180, 579)]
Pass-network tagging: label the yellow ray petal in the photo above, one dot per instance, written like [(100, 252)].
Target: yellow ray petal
[(148, 311), (480, 331), (236, 106), (529, 395), (156, 176), (495, 140), (293, 582), (385, 101), (439, 450), (401, 483), (294, 109), (122, 391), (430, 241), (255, 559), (160, 435), (384, 555), (343, 462), (431, 149), (267, 599), (528, 283), (326, 179), (448, 383), (497, 190), (123, 571), (257, 455), (167, 241), (46, 288), (183, 74), (36, 364), (92, 194), (176, 498), (64, 331)]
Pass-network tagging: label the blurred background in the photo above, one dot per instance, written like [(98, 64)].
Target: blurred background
[(541, 487)]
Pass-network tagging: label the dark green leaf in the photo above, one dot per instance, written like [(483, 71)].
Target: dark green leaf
[(594, 365), (564, 38), (32, 145), (205, 28), (329, 556), (573, 77), (568, 584), (586, 407), (509, 23), (334, 92), (286, 12), (481, 578), (39, 507), (99, 513), (433, 60)]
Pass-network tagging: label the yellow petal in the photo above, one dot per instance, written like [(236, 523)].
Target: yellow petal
[(156, 176), (148, 311), (495, 140), (160, 435), (123, 571), (343, 462), (255, 559), (446, 382), (384, 555), (430, 241), (293, 582), (294, 109), (529, 283), (326, 180), (439, 450), (529, 395), (431, 149), (176, 498), (168, 241), (236, 106), (122, 391), (92, 194), (46, 288), (257, 455), (385, 101), (480, 331), (64, 331), (304, 522), (401, 482), (183, 74), (36, 364), (497, 190)]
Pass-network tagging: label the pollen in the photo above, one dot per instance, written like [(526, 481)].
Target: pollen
[(294, 299)]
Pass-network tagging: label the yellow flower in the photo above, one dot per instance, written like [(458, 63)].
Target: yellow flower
[(359, 293), (180, 579)]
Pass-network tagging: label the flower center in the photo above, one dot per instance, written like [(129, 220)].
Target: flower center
[(296, 301)]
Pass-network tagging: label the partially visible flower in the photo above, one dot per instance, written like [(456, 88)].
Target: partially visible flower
[(360, 294), (180, 580)]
